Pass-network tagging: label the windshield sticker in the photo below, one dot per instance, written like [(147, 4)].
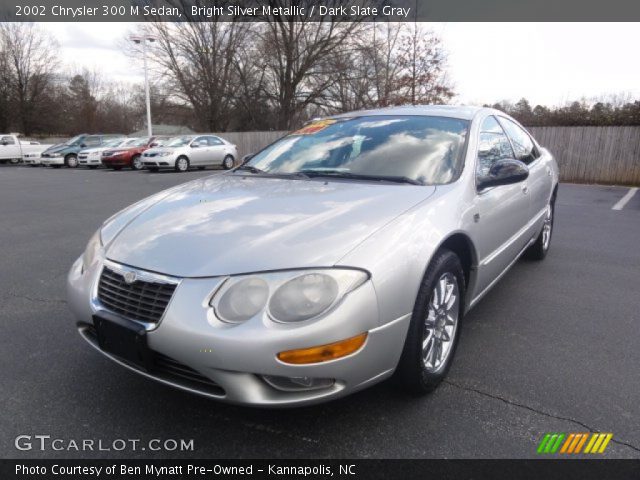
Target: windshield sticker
[(314, 127)]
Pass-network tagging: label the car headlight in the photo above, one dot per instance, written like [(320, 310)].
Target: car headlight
[(164, 154), (286, 297), (92, 251), (56, 155)]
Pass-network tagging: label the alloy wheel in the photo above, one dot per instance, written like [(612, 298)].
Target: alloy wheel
[(182, 164), (441, 323), (547, 227), (72, 162)]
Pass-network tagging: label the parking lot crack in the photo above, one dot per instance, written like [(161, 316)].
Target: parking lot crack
[(537, 411)]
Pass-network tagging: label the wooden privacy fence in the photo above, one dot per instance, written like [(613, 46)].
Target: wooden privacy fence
[(251, 142), (607, 155)]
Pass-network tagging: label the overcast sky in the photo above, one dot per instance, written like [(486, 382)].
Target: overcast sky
[(548, 63)]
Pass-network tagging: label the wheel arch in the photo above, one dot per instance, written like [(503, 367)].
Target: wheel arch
[(462, 245)]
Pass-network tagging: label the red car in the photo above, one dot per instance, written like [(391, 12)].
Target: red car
[(130, 156)]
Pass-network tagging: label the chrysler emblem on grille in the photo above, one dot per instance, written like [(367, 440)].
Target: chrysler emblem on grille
[(130, 277)]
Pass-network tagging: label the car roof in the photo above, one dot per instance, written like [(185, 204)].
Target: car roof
[(453, 111)]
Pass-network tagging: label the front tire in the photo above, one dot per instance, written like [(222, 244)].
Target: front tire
[(71, 161), (182, 164), (435, 325), (136, 163), (228, 162)]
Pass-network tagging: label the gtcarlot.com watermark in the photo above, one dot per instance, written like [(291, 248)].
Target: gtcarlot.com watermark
[(47, 443)]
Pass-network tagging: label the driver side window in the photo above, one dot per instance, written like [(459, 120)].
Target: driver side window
[(493, 145), (7, 141)]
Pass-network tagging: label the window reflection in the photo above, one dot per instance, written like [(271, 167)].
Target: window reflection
[(422, 148)]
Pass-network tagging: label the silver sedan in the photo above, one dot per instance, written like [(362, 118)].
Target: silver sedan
[(343, 254)]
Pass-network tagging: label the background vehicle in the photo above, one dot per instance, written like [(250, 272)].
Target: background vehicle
[(338, 256), (67, 153), (129, 154), (12, 149), (90, 157), (183, 152)]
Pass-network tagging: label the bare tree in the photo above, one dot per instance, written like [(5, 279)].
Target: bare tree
[(297, 58), (391, 64), (421, 62), (31, 58), (197, 60)]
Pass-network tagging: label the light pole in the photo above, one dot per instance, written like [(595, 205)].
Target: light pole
[(137, 40)]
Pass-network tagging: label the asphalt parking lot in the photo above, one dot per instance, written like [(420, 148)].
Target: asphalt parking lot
[(555, 347)]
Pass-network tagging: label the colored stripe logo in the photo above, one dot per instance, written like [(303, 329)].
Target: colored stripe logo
[(573, 443)]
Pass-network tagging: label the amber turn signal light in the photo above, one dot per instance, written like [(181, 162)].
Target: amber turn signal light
[(323, 353)]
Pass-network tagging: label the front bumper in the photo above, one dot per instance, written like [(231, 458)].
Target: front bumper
[(235, 357), (159, 162), (89, 160), (116, 161), (31, 159), (52, 161)]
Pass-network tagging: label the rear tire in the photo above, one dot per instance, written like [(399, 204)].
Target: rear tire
[(538, 251), (435, 325), (14, 161), (182, 164)]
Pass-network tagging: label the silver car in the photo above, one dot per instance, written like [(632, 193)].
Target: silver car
[(185, 151), (343, 254)]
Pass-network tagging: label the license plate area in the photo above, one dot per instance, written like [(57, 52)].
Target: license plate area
[(124, 339)]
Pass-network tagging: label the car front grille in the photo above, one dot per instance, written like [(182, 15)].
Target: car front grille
[(141, 300)]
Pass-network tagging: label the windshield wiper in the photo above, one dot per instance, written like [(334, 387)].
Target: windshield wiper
[(258, 171), (250, 168), (357, 176)]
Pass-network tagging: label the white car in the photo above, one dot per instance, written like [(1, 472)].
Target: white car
[(186, 151), (91, 157), (12, 150)]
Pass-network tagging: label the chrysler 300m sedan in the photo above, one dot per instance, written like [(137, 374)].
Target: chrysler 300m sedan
[(345, 253)]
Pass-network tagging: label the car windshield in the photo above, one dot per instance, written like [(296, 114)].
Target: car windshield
[(74, 140), (416, 149), (178, 141), (140, 142), (114, 143)]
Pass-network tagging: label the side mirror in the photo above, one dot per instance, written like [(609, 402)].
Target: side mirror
[(83, 145), (154, 144), (197, 144), (246, 158), (5, 143), (504, 172)]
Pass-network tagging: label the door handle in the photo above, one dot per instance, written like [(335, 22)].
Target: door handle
[(525, 189), (549, 171)]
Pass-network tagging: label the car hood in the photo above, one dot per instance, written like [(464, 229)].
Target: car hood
[(162, 149), (56, 148), (228, 224), (94, 150)]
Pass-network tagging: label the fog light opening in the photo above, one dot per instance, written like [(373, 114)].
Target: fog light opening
[(298, 384)]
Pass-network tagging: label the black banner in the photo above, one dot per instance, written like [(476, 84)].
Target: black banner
[(319, 469), (318, 10)]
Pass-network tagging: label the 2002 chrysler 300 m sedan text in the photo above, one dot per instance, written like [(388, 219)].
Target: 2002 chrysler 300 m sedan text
[(342, 254)]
